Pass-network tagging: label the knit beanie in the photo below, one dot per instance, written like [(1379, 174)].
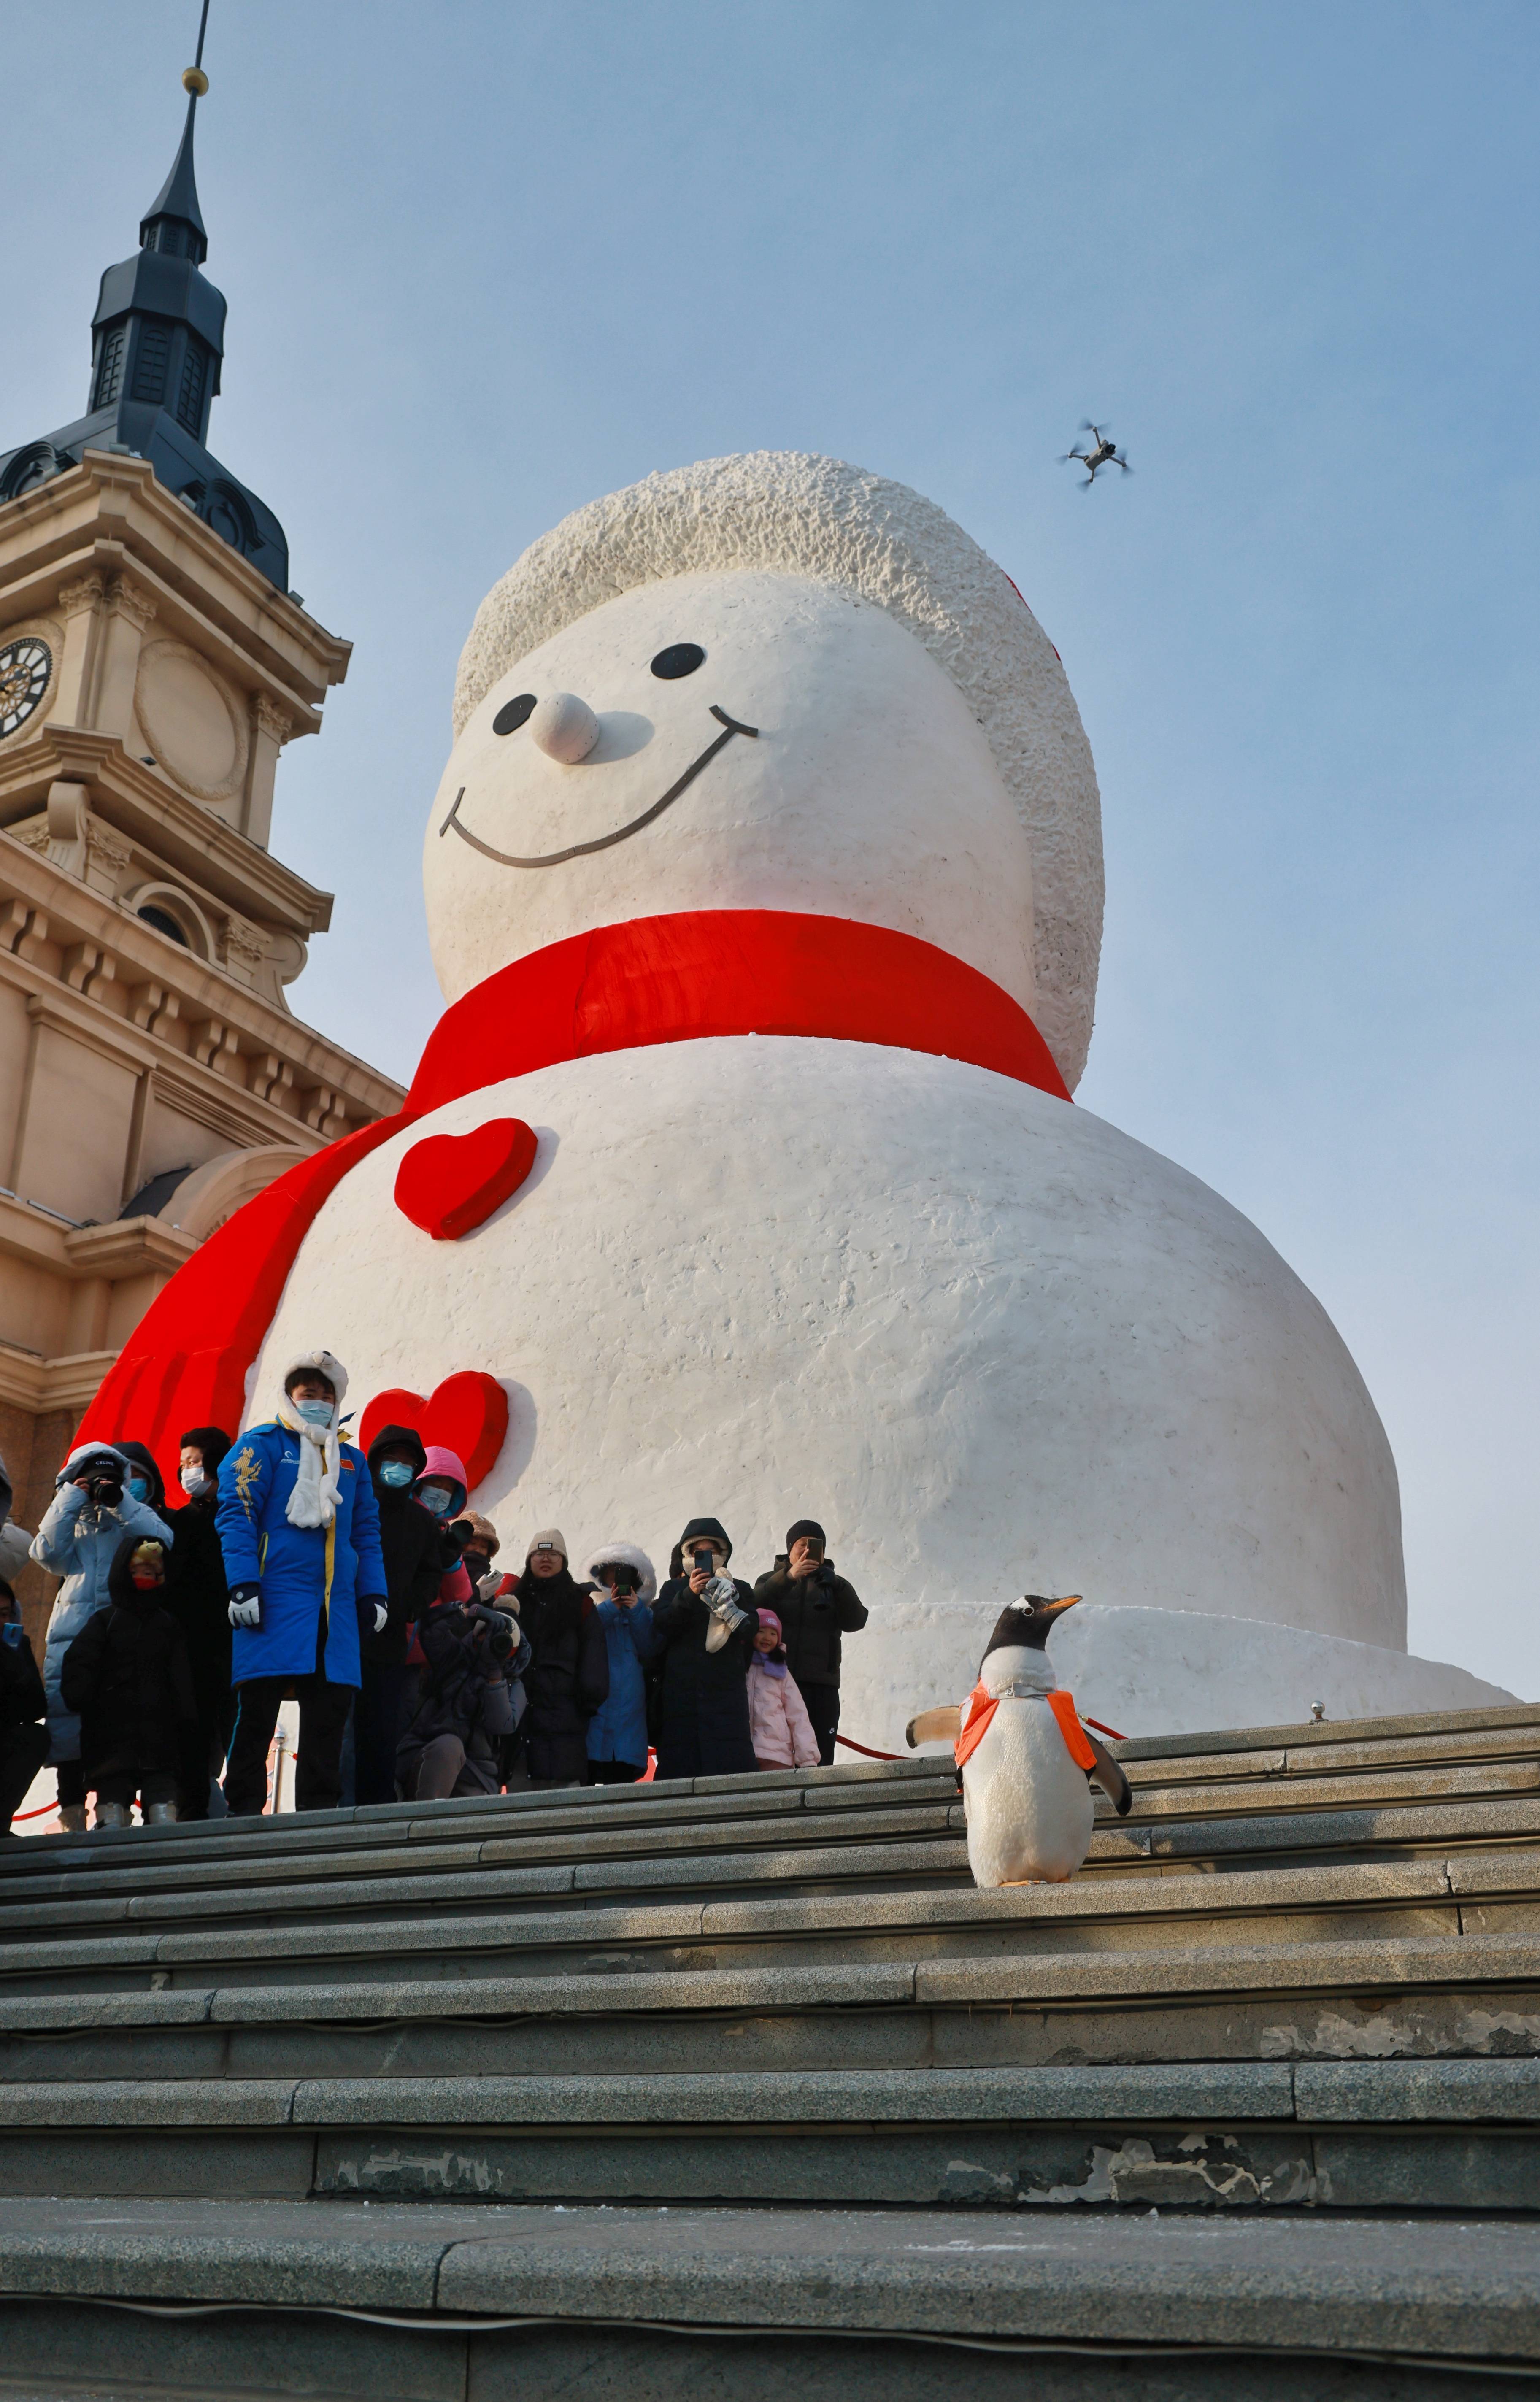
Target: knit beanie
[(806, 1526)]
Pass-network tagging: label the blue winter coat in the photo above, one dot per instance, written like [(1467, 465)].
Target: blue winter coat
[(312, 1577), (618, 1728), (77, 1541)]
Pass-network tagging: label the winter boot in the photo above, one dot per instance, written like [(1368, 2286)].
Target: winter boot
[(160, 1813), (112, 1813), (72, 1818)]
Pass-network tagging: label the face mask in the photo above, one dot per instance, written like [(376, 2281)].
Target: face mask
[(146, 1580), (476, 1566), (139, 1488), (316, 1414), (435, 1497), (395, 1474), (194, 1482)]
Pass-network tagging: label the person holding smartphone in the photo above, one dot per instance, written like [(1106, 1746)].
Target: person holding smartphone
[(625, 1590), (817, 1609), (704, 1627)]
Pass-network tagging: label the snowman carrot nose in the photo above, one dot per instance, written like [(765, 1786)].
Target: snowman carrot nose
[(564, 726)]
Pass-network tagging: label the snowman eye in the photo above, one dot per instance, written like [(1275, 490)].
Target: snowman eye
[(513, 713), (678, 659)]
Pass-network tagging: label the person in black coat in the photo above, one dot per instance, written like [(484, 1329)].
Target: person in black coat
[(416, 1560), (464, 1713), (568, 1676), (23, 1704), (704, 1627), (128, 1676), (198, 1596), (816, 1609)]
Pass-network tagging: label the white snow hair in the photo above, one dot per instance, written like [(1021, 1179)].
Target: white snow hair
[(796, 514), (625, 1556), (323, 1364)]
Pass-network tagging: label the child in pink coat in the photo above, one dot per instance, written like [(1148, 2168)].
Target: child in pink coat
[(778, 1724)]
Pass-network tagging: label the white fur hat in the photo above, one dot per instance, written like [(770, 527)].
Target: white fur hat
[(795, 513), (627, 1555), (323, 1364)]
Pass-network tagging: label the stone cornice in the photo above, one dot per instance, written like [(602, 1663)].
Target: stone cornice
[(116, 503), (31, 1382), (184, 833), (128, 1247), (143, 959)]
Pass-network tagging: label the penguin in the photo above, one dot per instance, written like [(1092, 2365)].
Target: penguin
[(1024, 1761)]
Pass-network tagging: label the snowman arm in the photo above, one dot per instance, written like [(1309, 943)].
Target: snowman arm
[(1110, 1777), (942, 1725)]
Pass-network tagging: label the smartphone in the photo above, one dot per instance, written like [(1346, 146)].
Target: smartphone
[(627, 1580), (706, 1560)]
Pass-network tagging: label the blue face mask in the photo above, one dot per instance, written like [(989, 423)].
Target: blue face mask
[(316, 1414), (139, 1486), (435, 1497), (395, 1474)]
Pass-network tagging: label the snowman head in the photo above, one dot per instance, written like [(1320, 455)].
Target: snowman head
[(770, 683)]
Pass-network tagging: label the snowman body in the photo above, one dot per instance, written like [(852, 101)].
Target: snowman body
[(1030, 1813), (988, 1341)]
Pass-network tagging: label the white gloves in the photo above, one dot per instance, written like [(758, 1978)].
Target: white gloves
[(246, 1606), (722, 1599), (381, 1614)]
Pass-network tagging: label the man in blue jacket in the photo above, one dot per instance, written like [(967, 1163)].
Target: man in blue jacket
[(300, 1527)]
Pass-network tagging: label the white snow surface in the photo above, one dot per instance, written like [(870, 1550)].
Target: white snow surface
[(1182, 1672), (991, 1343), (795, 513)]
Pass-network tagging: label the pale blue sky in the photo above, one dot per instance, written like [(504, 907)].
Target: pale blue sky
[(485, 262)]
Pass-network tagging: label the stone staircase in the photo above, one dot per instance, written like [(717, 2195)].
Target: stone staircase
[(743, 2087)]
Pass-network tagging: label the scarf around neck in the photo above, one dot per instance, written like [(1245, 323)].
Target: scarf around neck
[(318, 1479)]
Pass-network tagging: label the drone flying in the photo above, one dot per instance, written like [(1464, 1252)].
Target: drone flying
[(1103, 454)]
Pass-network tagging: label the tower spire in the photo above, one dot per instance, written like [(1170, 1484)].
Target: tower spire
[(175, 221), (157, 345)]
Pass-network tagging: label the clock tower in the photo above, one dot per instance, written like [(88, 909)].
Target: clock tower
[(154, 664)]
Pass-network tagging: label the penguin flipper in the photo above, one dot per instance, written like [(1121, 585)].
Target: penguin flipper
[(940, 1725), (1110, 1777)]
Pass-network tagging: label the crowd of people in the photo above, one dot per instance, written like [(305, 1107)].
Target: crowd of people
[(362, 1586)]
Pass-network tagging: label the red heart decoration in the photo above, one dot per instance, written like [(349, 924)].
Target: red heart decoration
[(450, 1183), (468, 1414)]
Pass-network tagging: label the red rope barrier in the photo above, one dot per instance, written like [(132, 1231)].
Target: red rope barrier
[(47, 1812), (865, 1749), (1111, 1733)]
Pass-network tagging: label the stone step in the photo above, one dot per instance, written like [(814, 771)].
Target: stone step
[(1444, 2134), (789, 1841), (630, 1908), (426, 2301), (1281, 1763), (1473, 1995)]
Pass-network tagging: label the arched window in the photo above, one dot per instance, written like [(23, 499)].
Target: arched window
[(164, 923)]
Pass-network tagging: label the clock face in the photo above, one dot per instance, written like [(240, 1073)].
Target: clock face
[(25, 667)]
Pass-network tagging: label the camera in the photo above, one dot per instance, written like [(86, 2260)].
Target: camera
[(103, 1480), (500, 1634)]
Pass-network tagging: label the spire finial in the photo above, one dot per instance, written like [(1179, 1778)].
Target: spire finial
[(194, 80)]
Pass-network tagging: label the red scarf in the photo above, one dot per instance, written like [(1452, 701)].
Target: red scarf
[(670, 979), (981, 1708)]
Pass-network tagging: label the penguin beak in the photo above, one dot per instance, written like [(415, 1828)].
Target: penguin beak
[(1056, 1608)]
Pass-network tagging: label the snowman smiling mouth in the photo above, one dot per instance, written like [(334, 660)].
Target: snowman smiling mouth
[(729, 726)]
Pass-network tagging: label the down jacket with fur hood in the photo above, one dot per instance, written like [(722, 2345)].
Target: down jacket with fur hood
[(79, 1542), (618, 1728)]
